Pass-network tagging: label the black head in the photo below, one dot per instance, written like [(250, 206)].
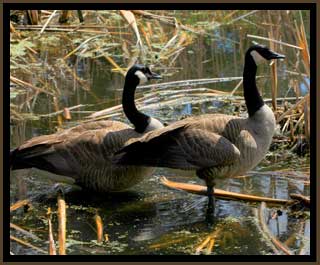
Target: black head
[(141, 74), (261, 53)]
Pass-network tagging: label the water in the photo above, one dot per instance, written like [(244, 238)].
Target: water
[(151, 218)]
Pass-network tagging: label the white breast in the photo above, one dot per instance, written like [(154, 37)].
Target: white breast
[(255, 139), (264, 121), (153, 125), (262, 126)]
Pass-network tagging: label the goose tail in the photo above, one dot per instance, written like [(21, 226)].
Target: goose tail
[(12, 157), (17, 160)]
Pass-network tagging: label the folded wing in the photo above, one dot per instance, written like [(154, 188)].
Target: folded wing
[(181, 147)]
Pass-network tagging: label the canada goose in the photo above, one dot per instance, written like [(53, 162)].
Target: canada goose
[(84, 152), (215, 145)]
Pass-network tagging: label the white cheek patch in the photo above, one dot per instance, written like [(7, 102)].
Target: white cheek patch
[(142, 77), (258, 59)]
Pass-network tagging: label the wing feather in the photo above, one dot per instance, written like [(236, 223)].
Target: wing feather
[(70, 151), (182, 147)]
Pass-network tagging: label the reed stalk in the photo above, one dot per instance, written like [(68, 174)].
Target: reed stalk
[(99, 226), (295, 106), (52, 247), (62, 224), (274, 41), (279, 245)]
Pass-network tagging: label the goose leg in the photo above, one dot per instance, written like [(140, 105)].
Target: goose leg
[(206, 175), (211, 200)]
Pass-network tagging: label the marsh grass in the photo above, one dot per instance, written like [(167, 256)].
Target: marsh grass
[(161, 38), (199, 53)]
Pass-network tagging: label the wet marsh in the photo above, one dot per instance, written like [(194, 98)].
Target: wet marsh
[(71, 73)]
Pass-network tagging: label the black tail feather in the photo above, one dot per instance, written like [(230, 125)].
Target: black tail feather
[(12, 157), (16, 162)]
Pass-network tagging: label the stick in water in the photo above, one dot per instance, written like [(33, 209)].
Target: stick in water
[(202, 190)]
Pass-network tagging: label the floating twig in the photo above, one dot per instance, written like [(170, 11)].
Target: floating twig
[(105, 111), (48, 21), (27, 233), (304, 199), (192, 82), (222, 194), (209, 241), (203, 244), (22, 242), (19, 204), (268, 100)]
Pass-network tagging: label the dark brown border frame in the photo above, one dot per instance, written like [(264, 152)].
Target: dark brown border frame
[(314, 6)]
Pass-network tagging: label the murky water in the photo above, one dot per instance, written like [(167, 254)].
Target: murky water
[(151, 218)]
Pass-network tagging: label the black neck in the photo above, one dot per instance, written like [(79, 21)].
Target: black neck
[(251, 94), (138, 119)]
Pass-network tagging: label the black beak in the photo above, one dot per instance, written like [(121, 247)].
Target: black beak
[(153, 76), (275, 55)]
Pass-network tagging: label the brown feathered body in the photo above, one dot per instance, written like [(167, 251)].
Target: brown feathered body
[(84, 153), (223, 144)]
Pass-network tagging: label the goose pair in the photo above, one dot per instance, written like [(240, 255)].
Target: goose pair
[(215, 145), (85, 152)]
